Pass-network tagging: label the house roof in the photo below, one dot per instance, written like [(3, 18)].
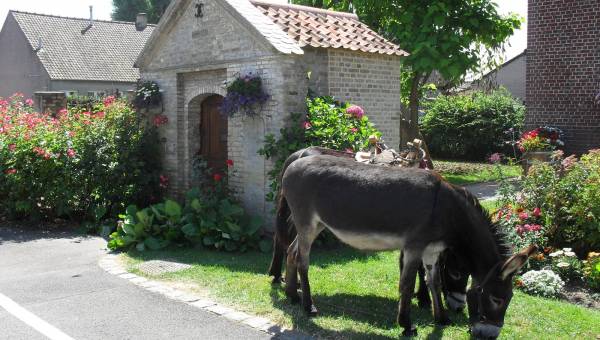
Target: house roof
[(288, 28), (72, 51), (315, 27)]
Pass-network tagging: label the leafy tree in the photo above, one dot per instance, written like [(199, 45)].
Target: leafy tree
[(450, 37), (127, 10)]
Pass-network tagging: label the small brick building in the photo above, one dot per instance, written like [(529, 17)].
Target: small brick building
[(198, 46), (563, 69)]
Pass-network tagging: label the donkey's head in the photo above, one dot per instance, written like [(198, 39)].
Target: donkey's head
[(489, 298), (455, 277)]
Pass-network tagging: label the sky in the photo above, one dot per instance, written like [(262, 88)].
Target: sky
[(103, 9)]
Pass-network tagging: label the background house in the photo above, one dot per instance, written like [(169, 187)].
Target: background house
[(50, 55), (563, 69), (510, 75), (197, 47)]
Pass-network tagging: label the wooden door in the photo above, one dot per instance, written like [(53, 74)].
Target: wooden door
[(213, 133)]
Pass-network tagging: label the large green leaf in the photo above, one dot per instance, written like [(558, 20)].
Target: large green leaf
[(155, 244), (190, 230), (173, 209), (128, 229)]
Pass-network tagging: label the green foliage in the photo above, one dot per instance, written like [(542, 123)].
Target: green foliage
[(591, 271), (471, 126), (209, 217), (80, 164), (127, 10), (330, 124), (568, 190)]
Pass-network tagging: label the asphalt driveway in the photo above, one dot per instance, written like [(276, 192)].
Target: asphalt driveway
[(51, 287)]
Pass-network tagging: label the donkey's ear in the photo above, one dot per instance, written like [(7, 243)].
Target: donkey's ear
[(515, 262)]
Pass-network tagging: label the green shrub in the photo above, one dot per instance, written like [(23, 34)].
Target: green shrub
[(470, 126), (209, 217), (328, 123), (591, 270), (80, 164), (568, 191)]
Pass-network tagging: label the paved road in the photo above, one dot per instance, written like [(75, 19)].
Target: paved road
[(55, 277)]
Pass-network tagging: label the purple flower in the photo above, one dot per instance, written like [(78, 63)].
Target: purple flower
[(495, 158)]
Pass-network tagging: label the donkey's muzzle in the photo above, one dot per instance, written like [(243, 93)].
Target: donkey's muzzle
[(482, 330), (456, 301)]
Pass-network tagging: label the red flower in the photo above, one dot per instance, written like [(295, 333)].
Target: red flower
[(537, 212), (306, 125), (10, 171), (99, 115), (229, 163), (164, 181), (523, 216), (160, 120), (217, 177), (354, 130), (71, 153)]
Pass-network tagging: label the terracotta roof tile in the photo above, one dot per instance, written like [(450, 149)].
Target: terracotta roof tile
[(315, 27)]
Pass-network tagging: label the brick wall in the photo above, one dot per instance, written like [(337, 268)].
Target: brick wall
[(371, 81), (563, 69)]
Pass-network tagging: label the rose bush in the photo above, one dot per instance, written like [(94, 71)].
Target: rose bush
[(81, 164)]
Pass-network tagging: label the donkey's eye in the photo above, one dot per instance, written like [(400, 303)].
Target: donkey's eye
[(497, 301), (455, 275)]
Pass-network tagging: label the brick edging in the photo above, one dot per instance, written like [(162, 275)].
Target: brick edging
[(111, 265)]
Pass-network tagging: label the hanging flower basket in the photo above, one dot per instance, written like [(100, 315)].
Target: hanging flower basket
[(245, 95), (147, 95)]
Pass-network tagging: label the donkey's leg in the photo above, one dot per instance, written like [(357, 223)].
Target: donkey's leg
[(410, 265), (305, 241), (291, 273), (423, 293), (432, 266)]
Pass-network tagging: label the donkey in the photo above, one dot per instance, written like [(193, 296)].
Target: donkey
[(418, 213), (454, 276)]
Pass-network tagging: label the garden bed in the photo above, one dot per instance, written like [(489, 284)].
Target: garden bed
[(357, 293)]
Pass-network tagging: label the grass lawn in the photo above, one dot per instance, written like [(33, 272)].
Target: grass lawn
[(462, 173), (357, 295)]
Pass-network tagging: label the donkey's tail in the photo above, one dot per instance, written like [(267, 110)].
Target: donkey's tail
[(284, 232)]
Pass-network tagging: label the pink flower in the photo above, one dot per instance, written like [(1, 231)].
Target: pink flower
[(10, 171), (12, 147), (348, 150), (520, 229), (71, 153), (306, 125), (356, 111), (100, 114), (495, 158), (523, 216), (354, 130), (109, 100), (535, 227), (29, 102), (537, 212)]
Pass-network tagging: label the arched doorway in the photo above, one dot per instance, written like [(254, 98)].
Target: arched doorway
[(213, 133)]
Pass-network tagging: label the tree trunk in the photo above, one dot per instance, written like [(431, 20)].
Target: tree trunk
[(409, 126)]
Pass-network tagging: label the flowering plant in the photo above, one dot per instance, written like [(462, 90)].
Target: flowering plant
[(541, 139), (522, 227), (566, 264), (541, 282), (147, 95), (80, 163), (245, 94)]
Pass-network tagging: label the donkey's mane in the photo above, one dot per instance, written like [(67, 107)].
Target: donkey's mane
[(498, 234)]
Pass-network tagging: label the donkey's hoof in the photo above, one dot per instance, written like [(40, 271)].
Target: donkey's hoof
[(311, 311), (412, 332), (294, 298), (277, 281)]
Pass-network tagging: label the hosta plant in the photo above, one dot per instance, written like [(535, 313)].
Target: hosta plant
[(543, 282)]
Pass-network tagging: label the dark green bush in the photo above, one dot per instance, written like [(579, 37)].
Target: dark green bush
[(472, 126)]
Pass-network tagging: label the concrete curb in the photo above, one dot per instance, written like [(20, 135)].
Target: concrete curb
[(111, 265)]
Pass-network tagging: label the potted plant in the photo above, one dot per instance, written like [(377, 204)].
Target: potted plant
[(539, 144), (246, 95)]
